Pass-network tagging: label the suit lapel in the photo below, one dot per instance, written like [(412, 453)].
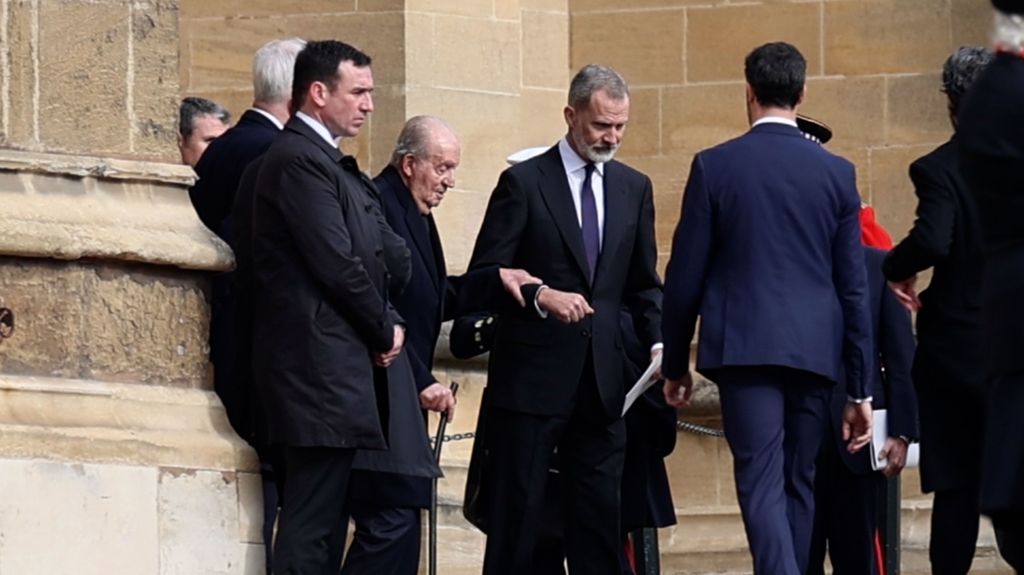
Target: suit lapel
[(554, 189), (614, 210)]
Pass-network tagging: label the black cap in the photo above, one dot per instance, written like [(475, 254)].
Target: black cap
[(816, 129), (1009, 6)]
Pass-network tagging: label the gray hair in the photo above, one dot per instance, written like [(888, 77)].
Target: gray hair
[(415, 138), (192, 107), (273, 68), (594, 78), (960, 70), (1009, 31)]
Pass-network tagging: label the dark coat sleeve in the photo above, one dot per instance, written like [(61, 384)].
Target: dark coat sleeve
[(643, 290), (310, 209), (684, 277), (930, 239), (896, 345)]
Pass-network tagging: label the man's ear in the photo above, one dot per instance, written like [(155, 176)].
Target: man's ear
[(570, 116), (406, 166), (318, 92), (803, 96)]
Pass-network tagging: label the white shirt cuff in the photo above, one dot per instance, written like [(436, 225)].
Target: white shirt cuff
[(657, 347), (859, 401)]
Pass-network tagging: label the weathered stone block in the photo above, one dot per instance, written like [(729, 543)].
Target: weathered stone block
[(885, 36), (154, 40), (918, 112), (218, 52), (235, 100), (643, 133), (892, 193), (20, 129), (718, 39), (82, 92), (453, 7), (199, 532), (145, 325), (79, 509), (507, 9), (561, 6), (381, 35), (545, 49), (697, 117), (492, 65), (419, 50), (583, 6), (645, 47), (47, 301), (972, 23), (385, 125), (380, 5), (853, 107), (264, 8)]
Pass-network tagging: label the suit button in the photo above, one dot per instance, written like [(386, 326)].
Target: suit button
[(585, 333)]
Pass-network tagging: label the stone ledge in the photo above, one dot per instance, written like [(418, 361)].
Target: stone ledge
[(74, 207), (99, 422)]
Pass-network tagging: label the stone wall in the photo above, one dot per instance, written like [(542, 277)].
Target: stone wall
[(88, 77), (874, 76)]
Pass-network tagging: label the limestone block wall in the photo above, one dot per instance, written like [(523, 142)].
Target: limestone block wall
[(497, 70), (113, 447), (874, 76), (87, 77)]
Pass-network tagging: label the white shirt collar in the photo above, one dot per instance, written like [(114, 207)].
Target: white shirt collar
[(317, 127), (572, 161), (269, 116), (774, 120)]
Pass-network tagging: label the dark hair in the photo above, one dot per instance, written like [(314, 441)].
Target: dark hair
[(776, 73), (192, 107), (960, 70), (318, 62)]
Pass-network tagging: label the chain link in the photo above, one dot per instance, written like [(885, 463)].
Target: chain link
[(681, 425)]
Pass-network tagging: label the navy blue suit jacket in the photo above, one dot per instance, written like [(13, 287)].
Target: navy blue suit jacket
[(220, 169), (891, 387), (768, 254)]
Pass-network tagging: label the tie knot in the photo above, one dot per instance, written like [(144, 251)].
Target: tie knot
[(589, 167)]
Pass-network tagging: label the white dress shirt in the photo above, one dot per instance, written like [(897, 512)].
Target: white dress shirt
[(774, 120), (317, 127), (269, 116), (576, 172)]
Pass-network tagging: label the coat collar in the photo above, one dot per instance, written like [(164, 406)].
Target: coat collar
[(423, 236), (298, 126)]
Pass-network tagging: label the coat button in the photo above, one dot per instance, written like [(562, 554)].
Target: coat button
[(585, 333)]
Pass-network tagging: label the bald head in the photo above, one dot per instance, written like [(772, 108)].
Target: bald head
[(426, 156)]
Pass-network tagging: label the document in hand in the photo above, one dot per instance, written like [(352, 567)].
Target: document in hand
[(879, 433), (644, 383)]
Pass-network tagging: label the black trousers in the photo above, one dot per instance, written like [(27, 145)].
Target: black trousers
[(845, 515), (314, 509), (591, 449), (386, 541)]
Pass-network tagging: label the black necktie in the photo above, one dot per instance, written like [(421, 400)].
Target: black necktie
[(591, 234)]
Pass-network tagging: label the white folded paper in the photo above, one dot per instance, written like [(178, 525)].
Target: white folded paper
[(644, 383), (879, 433)]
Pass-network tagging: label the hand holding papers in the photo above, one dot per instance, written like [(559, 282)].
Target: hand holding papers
[(649, 377), (879, 434)]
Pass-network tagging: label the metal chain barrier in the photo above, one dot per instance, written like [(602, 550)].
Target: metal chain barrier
[(681, 425)]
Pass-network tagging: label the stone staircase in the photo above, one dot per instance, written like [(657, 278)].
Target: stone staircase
[(708, 538)]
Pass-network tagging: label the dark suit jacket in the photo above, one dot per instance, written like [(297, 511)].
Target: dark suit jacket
[(531, 223), (321, 296), (220, 169), (946, 236), (890, 387), (768, 253)]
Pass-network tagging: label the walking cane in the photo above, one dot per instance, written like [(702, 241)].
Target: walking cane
[(432, 514)]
